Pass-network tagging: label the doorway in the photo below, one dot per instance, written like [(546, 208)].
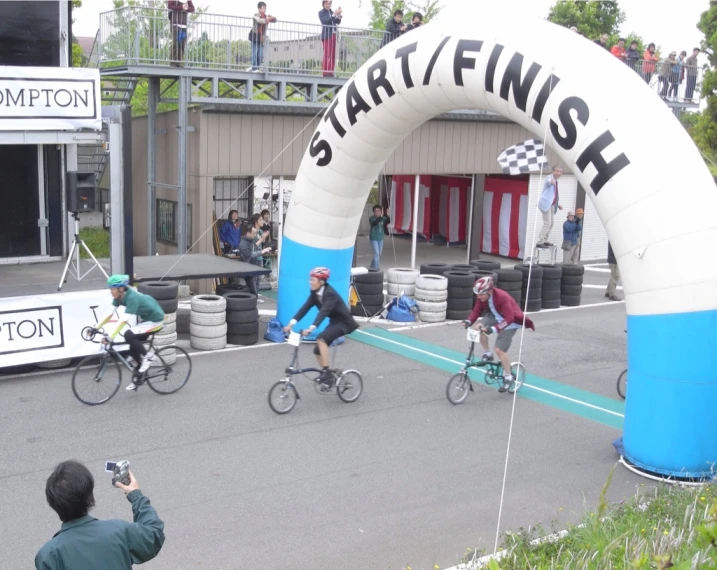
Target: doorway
[(23, 202)]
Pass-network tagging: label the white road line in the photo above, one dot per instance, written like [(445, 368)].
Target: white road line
[(598, 269), (589, 286), (591, 305), (479, 369)]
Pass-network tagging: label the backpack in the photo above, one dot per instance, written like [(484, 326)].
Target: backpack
[(275, 332)]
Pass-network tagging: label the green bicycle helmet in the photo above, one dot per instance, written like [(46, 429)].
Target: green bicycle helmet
[(118, 281)]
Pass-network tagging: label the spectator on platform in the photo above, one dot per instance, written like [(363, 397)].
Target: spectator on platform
[(618, 50), (377, 223), (678, 74), (650, 59), (416, 21), (572, 227), (249, 253), (257, 35), (602, 41), (611, 291), (633, 56), (692, 70), (229, 233), (329, 21), (665, 73), (178, 18), (549, 204), (394, 28)]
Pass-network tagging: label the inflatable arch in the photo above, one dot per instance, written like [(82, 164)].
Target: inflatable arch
[(650, 187)]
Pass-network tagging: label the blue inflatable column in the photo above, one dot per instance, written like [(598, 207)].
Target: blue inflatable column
[(671, 407)]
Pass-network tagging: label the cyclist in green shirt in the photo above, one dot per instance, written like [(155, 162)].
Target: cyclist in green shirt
[(378, 223), (150, 319)]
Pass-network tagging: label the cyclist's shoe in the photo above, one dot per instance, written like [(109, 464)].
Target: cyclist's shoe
[(507, 383), (327, 378), (131, 386), (146, 362), (487, 357)]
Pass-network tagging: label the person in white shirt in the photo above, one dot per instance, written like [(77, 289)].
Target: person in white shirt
[(549, 204)]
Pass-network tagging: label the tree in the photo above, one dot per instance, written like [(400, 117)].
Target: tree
[(382, 11), (78, 57), (591, 18), (704, 129)]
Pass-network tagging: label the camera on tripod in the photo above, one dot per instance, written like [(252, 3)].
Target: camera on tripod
[(120, 471)]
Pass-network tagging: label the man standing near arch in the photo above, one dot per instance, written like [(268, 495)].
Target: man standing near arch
[(549, 204)]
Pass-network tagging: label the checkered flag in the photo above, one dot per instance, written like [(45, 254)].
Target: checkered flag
[(523, 158)]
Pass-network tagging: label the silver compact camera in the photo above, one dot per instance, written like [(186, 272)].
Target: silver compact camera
[(119, 470)]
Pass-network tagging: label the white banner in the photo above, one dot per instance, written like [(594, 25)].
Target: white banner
[(49, 99), (48, 327)]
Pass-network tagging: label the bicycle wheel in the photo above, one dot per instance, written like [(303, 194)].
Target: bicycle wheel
[(622, 384), (458, 387), (349, 386), (96, 379), (282, 397), (519, 374), (170, 371)]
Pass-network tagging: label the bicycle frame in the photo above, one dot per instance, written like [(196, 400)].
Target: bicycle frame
[(494, 368), (112, 353)]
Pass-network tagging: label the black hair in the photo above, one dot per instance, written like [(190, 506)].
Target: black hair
[(255, 218), (264, 212), (634, 42), (398, 13), (232, 212), (377, 206), (417, 15), (696, 49), (261, 5), (246, 228), (650, 45), (621, 39), (69, 490)]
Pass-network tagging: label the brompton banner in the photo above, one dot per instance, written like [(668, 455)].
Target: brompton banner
[(48, 327), (49, 99)]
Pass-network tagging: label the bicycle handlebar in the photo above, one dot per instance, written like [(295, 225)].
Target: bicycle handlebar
[(89, 333)]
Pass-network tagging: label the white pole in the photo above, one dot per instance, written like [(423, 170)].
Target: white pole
[(280, 226), (469, 235), (415, 221)]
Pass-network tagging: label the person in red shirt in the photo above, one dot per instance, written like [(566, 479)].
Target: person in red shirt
[(619, 50), (499, 313)]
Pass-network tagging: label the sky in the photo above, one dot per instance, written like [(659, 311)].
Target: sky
[(673, 29)]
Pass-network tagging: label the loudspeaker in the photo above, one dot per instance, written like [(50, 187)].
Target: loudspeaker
[(81, 192)]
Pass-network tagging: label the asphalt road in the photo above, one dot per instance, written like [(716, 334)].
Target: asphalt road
[(400, 476)]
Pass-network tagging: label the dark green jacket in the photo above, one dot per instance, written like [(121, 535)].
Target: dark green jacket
[(90, 544), (377, 227)]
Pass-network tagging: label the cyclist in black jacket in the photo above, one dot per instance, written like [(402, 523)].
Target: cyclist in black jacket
[(330, 304)]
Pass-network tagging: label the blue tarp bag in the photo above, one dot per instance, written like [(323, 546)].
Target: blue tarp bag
[(402, 310), (275, 332)]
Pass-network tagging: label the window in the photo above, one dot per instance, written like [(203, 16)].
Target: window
[(167, 222), (276, 49), (232, 193)]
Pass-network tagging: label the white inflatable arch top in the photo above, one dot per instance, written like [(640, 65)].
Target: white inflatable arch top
[(650, 187)]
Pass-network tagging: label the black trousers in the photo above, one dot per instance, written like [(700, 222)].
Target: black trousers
[(136, 348)]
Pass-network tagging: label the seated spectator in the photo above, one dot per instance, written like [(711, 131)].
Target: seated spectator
[(229, 233), (618, 50), (249, 253), (633, 56), (394, 28)]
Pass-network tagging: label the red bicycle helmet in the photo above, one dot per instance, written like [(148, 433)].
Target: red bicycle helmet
[(483, 285), (322, 273)]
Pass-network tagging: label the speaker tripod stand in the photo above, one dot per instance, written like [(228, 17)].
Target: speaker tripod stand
[(78, 243)]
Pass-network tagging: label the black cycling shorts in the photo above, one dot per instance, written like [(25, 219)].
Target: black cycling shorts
[(330, 334)]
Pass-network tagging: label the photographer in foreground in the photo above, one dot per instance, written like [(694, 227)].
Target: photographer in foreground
[(85, 543)]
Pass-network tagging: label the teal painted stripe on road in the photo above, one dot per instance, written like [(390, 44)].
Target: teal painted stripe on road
[(567, 398)]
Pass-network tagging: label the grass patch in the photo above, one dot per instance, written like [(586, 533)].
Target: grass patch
[(667, 527), (98, 240)]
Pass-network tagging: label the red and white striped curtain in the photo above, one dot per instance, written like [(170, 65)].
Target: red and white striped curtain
[(505, 213), (401, 210)]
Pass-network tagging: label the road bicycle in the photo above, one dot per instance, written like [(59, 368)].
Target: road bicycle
[(460, 383), (622, 384), (346, 384), (98, 377)]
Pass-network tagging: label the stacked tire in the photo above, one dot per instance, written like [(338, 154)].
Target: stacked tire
[(434, 268), (511, 281), (486, 265), (571, 284), (242, 318), (369, 287), (208, 322), (225, 288), (550, 291), (431, 296), (166, 294), (531, 290), (401, 280), (460, 294)]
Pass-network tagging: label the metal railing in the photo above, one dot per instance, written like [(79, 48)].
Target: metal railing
[(144, 36), (669, 80)]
